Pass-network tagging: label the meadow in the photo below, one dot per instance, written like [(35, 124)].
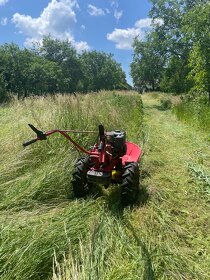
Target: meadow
[(44, 235), (37, 221)]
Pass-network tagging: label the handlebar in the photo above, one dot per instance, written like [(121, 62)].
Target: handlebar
[(40, 136), (43, 136), (101, 132), (29, 142)]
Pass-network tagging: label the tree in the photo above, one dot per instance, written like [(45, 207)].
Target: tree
[(13, 63), (65, 55), (170, 32), (147, 64), (172, 43), (197, 29), (101, 71), (174, 76), (168, 41), (3, 93), (54, 66), (44, 77)]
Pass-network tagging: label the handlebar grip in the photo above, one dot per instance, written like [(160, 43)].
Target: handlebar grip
[(29, 142), (101, 130)]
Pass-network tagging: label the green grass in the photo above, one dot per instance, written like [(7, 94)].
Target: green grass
[(36, 218), (195, 113), (45, 236), (202, 175), (113, 250), (181, 220)]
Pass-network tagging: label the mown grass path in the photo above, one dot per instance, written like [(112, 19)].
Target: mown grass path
[(175, 221)]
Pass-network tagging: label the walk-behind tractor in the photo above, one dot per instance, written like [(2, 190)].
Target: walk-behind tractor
[(111, 160)]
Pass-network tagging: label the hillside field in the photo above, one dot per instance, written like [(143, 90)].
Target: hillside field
[(44, 235)]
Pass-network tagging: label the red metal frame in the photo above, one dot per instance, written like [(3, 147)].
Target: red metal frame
[(64, 133), (133, 152), (101, 153)]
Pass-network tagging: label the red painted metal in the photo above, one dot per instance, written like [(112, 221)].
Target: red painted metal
[(106, 157), (64, 133), (101, 154), (133, 153)]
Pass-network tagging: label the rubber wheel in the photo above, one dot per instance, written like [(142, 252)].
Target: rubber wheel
[(79, 178), (130, 184)]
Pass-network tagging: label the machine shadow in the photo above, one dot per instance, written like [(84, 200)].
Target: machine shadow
[(116, 208)]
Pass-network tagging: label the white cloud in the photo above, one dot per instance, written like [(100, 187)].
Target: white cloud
[(118, 14), (114, 3), (94, 11), (81, 46), (3, 2), (4, 21), (82, 27), (123, 38), (57, 19), (143, 23)]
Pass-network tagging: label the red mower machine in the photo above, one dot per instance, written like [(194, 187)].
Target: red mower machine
[(111, 160)]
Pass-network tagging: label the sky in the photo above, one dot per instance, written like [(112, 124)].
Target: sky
[(102, 25)]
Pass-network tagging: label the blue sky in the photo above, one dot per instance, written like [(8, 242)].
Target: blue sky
[(102, 25)]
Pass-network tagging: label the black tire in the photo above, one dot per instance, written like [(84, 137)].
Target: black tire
[(130, 184), (79, 178)]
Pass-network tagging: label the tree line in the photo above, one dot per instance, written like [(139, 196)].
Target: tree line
[(54, 66), (175, 55)]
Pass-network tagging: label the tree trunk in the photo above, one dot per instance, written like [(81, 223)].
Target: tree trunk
[(153, 85)]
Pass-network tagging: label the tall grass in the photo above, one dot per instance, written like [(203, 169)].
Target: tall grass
[(167, 236), (195, 112), (36, 218), (41, 172), (45, 236), (110, 252)]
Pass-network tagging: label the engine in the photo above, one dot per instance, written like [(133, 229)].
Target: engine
[(117, 140)]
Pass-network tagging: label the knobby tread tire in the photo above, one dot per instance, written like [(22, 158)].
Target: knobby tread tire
[(79, 183), (130, 184)]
